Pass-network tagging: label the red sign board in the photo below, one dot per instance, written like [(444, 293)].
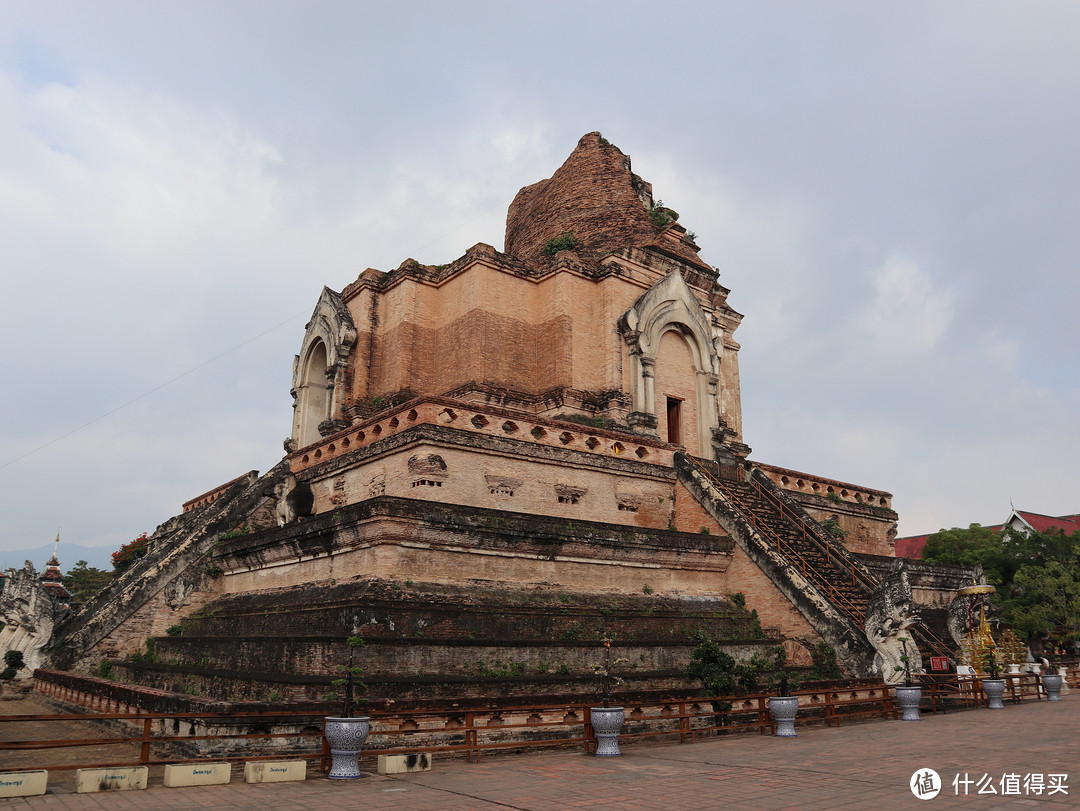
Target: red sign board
[(939, 664)]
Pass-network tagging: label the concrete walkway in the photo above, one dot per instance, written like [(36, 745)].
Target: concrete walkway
[(860, 766)]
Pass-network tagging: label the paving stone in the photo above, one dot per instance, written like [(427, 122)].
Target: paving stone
[(859, 766)]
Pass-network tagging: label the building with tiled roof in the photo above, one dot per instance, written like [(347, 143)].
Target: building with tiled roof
[(1020, 520)]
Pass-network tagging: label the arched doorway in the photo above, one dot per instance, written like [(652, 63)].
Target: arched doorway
[(676, 392), (313, 396)]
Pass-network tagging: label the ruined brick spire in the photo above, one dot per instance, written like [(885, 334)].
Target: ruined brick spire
[(595, 197)]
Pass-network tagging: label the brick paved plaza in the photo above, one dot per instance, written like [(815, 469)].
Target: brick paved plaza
[(859, 766)]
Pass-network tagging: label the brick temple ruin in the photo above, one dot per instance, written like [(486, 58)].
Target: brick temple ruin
[(496, 462)]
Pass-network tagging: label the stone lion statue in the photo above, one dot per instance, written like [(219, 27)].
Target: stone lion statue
[(294, 500), (27, 615), (889, 616)]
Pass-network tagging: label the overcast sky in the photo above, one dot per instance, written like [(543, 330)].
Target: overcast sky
[(890, 190)]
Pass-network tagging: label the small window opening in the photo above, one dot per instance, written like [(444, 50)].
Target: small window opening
[(674, 420)]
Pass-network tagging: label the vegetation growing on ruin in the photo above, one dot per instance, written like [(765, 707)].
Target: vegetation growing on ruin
[(130, 553), (661, 215), (825, 665), (738, 599), (565, 242), (832, 526), (595, 421)]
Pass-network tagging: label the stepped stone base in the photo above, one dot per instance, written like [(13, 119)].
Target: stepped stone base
[(425, 640)]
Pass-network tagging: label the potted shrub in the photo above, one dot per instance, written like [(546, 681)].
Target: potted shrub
[(908, 695), (13, 663), (994, 687), (1052, 682), (344, 733), (783, 706), (720, 676), (607, 721)]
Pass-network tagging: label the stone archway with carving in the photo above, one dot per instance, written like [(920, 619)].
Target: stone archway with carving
[(319, 371), (666, 306)]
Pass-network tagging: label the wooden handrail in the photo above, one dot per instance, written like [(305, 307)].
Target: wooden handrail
[(829, 549), (807, 569), (678, 719)]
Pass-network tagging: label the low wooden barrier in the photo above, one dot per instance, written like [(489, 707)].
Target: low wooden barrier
[(472, 733)]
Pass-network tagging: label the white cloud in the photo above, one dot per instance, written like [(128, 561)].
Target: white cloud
[(174, 181), (514, 144), (908, 312), (1001, 352)]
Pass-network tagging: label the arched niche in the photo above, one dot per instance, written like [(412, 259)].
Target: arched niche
[(320, 370), (313, 394), (667, 306)]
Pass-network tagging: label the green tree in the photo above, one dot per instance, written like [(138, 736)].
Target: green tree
[(1045, 599), (714, 668), (976, 545), (825, 664), (1037, 575), (131, 552), (84, 581), (14, 661), (721, 674)]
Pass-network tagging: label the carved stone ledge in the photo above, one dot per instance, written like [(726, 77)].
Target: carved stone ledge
[(643, 422), (327, 427)]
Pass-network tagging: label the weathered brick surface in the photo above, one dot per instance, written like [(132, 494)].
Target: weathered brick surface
[(403, 539), (774, 609), (690, 516), (433, 639), (171, 580), (498, 423), (593, 195), (864, 513), (529, 323), (422, 612)]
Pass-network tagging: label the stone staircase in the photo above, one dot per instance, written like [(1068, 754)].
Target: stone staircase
[(820, 559), (801, 544), (820, 578)]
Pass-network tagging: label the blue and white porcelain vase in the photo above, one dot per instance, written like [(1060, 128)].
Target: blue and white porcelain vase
[(909, 698), (783, 709), (994, 689), (346, 737), (607, 723)]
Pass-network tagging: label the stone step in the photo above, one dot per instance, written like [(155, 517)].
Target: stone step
[(803, 553)]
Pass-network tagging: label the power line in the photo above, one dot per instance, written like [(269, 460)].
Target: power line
[(148, 392)]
